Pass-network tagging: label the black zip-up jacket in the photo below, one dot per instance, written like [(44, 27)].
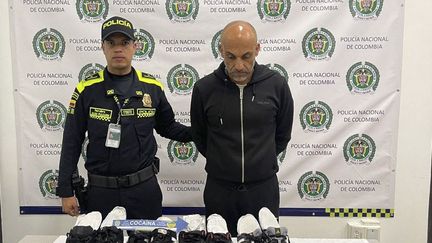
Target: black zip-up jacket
[(92, 108), (242, 147)]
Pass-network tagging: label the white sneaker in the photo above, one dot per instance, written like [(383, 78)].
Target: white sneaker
[(216, 224), (92, 219), (248, 224), (117, 213), (271, 228), (267, 219), (165, 219), (195, 222)]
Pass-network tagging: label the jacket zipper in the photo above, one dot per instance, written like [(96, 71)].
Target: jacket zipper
[(242, 133)]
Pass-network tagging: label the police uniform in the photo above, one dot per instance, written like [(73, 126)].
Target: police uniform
[(123, 176)]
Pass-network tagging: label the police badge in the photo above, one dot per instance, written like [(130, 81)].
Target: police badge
[(147, 102)]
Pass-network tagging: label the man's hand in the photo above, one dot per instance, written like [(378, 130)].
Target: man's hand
[(70, 206)]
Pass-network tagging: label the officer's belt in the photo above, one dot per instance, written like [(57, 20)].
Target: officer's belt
[(123, 181)]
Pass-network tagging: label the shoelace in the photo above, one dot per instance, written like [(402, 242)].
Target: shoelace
[(192, 236), (162, 236), (109, 235), (247, 238), (80, 234), (267, 238), (140, 237), (219, 238)]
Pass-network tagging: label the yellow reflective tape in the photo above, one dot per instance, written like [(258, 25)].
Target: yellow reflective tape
[(100, 114), (83, 84), (146, 112), (148, 80), (127, 112), (360, 212)]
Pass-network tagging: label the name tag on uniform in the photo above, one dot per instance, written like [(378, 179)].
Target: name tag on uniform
[(113, 136)]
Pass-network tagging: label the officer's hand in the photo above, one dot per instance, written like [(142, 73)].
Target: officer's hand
[(70, 206)]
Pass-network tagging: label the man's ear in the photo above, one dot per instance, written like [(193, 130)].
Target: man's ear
[(257, 49), (220, 47), (135, 45)]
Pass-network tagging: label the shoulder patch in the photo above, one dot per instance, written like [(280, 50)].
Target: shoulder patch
[(147, 75), (93, 76), (89, 81), (147, 78)]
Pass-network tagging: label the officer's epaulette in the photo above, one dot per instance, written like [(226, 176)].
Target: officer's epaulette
[(146, 75), (93, 76)]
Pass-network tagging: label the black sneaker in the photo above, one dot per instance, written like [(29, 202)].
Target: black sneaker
[(163, 236), (196, 236), (81, 234), (109, 234), (140, 237), (218, 237)]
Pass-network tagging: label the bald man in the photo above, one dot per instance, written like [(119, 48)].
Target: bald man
[(241, 117)]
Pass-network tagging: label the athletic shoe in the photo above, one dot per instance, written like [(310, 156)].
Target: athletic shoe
[(195, 222), (216, 224), (109, 234), (85, 228), (195, 236), (81, 234), (217, 230), (117, 213), (165, 219), (248, 230), (272, 231), (163, 236), (140, 237), (92, 219), (218, 237)]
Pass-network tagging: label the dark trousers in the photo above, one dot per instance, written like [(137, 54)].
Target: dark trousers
[(232, 200), (142, 201)]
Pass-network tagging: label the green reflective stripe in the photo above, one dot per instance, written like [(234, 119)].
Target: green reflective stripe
[(148, 80), (83, 84)]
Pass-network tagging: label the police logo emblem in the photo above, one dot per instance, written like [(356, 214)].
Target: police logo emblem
[(365, 9), (278, 68), (51, 115), (89, 70), (182, 153), (313, 186), (359, 149), (48, 44), (146, 100), (215, 45), (316, 116), (318, 44), (145, 45), (273, 10), (48, 183), (362, 78), (181, 79), (92, 10), (281, 157), (182, 10)]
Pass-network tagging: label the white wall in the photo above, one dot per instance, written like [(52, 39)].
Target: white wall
[(414, 148)]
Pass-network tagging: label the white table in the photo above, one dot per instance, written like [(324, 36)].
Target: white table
[(62, 239)]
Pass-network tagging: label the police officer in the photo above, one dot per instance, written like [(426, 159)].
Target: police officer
[(118, 107)]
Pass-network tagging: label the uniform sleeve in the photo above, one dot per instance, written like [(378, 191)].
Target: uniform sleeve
[(166, 125), (198, 121), (284, 118), (73, 137)]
